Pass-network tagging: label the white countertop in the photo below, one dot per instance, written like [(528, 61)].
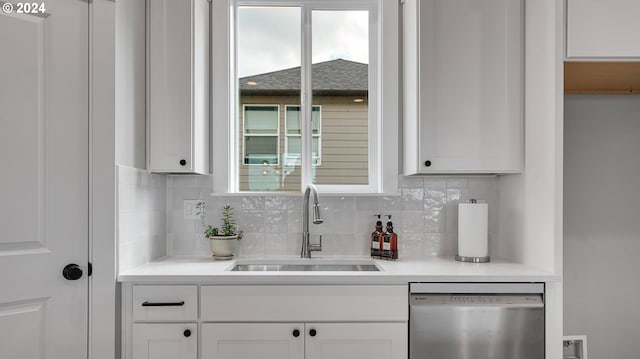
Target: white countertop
[(206, 270)]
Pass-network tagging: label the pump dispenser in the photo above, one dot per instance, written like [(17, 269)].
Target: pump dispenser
[(376, 238), (390, 242)]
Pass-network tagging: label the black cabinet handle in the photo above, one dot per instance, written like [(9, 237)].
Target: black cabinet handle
[(183, 162), (427, 163), (72, 272), (313, 332), (296, 333), (187, 333), (164, 304)]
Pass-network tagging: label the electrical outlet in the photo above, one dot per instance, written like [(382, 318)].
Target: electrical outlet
[(189, 208)]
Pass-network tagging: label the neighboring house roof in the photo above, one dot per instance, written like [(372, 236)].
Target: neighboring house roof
[(335, 77)]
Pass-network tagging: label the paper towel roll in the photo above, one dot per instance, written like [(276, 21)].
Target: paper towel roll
[(473, 219)]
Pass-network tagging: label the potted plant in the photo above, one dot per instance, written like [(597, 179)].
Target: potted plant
[(222, 241)]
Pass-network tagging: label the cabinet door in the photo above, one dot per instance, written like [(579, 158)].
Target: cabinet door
[(165, 341), (597, 28), (252, 340), (463, 78), (178, 66), (356, 340)]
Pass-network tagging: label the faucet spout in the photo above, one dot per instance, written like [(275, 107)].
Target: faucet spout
[(317, 219)]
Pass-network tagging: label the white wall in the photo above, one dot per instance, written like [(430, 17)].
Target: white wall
[(602, 223), (130, 83)]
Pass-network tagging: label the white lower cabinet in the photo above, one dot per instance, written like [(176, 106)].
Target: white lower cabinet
[(304, 340), (265, 321), (252, 340), (165, 341), (355, 340)]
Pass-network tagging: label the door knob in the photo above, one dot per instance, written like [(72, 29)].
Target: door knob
[(72, 272), (187, 333), (296, 333), (313, 332)]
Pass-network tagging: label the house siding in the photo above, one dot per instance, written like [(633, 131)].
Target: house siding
[(344, 144)]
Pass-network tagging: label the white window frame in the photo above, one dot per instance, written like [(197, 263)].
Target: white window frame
[(318, 136), (383, 93), (245, 135)]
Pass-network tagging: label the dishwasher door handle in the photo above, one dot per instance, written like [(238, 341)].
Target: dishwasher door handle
[(477, 288)]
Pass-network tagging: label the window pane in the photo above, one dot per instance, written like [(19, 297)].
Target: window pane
[(316, 149), (261, 150), (340, 71), (268, 70), (293, 120), (261, 119), (315, 119), (292, 154)]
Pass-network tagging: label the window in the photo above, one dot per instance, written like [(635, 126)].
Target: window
[(293, 140), (261, 134), (307, 97)]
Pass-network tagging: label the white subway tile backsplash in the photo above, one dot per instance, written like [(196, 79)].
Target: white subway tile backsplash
[(275, 244), (253, 245), (435, 199), (276, 222), (457, 182), (412, 182), (412, 245), (252, 203), (413, 222), (436, 182), (412, 199), (424, 216), (434, 221), (275, 203), (141, 217)]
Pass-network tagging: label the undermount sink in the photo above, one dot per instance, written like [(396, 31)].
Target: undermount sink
[(305, 266)]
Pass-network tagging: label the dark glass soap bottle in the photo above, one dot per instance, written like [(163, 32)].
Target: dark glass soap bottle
[(376, 238), (390, 242)]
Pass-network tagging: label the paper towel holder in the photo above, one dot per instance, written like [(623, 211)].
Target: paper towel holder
[(466, 259)]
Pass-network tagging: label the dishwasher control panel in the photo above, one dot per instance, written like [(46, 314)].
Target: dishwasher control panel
[(467, 300)]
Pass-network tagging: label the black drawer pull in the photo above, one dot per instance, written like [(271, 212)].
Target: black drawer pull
[(165, 304)]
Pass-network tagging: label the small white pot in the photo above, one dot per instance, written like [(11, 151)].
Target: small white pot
[(223, 246)]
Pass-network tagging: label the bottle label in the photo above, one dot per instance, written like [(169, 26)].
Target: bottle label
[(375, 243), (386, 246)]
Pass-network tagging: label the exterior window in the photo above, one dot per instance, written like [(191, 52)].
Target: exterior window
[(293, 140), (261, 138), (306, 103)]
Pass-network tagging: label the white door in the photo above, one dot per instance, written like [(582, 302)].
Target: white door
[(356, 340), (165, 341), (43, 180), (253, 340)]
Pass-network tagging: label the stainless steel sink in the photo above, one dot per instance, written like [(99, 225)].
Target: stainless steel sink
[(301, 266)]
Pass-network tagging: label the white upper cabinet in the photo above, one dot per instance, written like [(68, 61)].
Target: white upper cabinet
[(463, 71), (178, 86), (603, 29)]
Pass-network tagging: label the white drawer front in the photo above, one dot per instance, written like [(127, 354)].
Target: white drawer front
[(165, 303), (304, 303)]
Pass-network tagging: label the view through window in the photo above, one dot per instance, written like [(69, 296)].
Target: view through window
[(270, 72)]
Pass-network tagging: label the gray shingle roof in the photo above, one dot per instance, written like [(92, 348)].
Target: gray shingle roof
[(335, 77)]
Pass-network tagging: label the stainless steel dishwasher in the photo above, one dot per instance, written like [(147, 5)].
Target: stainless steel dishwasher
[(476, 321)]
